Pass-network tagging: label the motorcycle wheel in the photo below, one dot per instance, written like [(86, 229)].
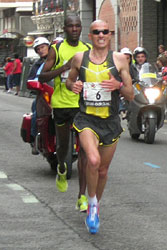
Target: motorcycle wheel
[(149, 134), (69, 156)]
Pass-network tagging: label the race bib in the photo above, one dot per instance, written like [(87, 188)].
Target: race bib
[(95, 95), (64, 75)]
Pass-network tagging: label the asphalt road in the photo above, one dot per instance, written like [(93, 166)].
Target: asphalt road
[(34, 215)]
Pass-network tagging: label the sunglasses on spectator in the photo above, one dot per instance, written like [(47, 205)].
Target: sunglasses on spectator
[(97, 32)]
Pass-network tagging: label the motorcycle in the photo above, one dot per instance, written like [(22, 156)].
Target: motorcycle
[(45, 141), (146, 112)]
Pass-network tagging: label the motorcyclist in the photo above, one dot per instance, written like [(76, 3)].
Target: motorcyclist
[(140, 56), (146, 111), (41, 47)]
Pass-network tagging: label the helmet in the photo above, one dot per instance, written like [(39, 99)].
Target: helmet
[(126, 51), (40, 40), (139, 50), (57, 40)]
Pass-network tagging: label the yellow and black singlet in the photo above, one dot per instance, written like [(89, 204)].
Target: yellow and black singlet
[(62, 97), (94, 99)]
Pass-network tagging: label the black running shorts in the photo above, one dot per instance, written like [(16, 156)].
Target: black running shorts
[(64, 115), (107, 130)]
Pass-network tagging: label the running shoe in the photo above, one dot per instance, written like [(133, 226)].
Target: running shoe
[(82, 204), (92, 220), (61, 179)]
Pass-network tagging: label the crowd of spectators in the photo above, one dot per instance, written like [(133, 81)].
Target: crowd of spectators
[(162, 61), (13, 70)]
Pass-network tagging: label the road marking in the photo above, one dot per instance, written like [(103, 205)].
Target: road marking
[(165, 133), (3, 175), (14, 186), (26, 197), (29, 199), (151, 165)]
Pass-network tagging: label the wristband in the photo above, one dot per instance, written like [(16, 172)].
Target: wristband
[(121, 85)]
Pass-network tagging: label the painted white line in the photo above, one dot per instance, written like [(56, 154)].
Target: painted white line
[(16, 187), (29, 199), (165, 133), (26, 198), (3, 175)]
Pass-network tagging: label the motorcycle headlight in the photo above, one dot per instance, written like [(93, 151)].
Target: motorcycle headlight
[(152, 94)]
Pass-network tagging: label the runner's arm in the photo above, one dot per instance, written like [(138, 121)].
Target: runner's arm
[(71, 82), (112, 84), (47, 73), (127, 88)]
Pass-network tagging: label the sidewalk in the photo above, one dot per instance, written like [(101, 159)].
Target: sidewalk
[(22, 94), (2, 88)]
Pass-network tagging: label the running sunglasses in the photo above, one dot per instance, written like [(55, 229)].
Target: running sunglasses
[(97, 32)]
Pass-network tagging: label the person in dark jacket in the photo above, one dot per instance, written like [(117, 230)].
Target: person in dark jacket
[(41, 47)]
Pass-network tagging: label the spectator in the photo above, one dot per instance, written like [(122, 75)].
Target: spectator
[(165, 53), (8, 68), (17, 69), (161, 49), (162, 64)]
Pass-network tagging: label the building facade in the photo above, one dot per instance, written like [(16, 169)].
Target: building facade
[(132, 22), (135, 23), (15, 22)]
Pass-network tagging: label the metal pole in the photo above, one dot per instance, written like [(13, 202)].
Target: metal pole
[(116, 26), (65, 8), (140, 23)]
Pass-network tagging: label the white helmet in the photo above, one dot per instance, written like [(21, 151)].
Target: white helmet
[(40, 40), (126, 51), (139, 50), (57, 40)]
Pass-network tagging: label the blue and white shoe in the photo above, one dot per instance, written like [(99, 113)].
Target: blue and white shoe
[(92, 220)]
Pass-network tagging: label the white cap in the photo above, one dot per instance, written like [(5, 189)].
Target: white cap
[(40, 40), (57, 40), (126, 51)]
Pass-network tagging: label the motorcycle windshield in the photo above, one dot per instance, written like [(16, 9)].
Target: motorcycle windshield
[(148, 75)]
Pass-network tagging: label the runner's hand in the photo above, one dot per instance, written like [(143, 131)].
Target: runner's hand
[(111, 84), (77, 87)]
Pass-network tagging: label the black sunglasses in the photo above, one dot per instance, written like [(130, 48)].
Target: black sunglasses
[(97, 32)]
